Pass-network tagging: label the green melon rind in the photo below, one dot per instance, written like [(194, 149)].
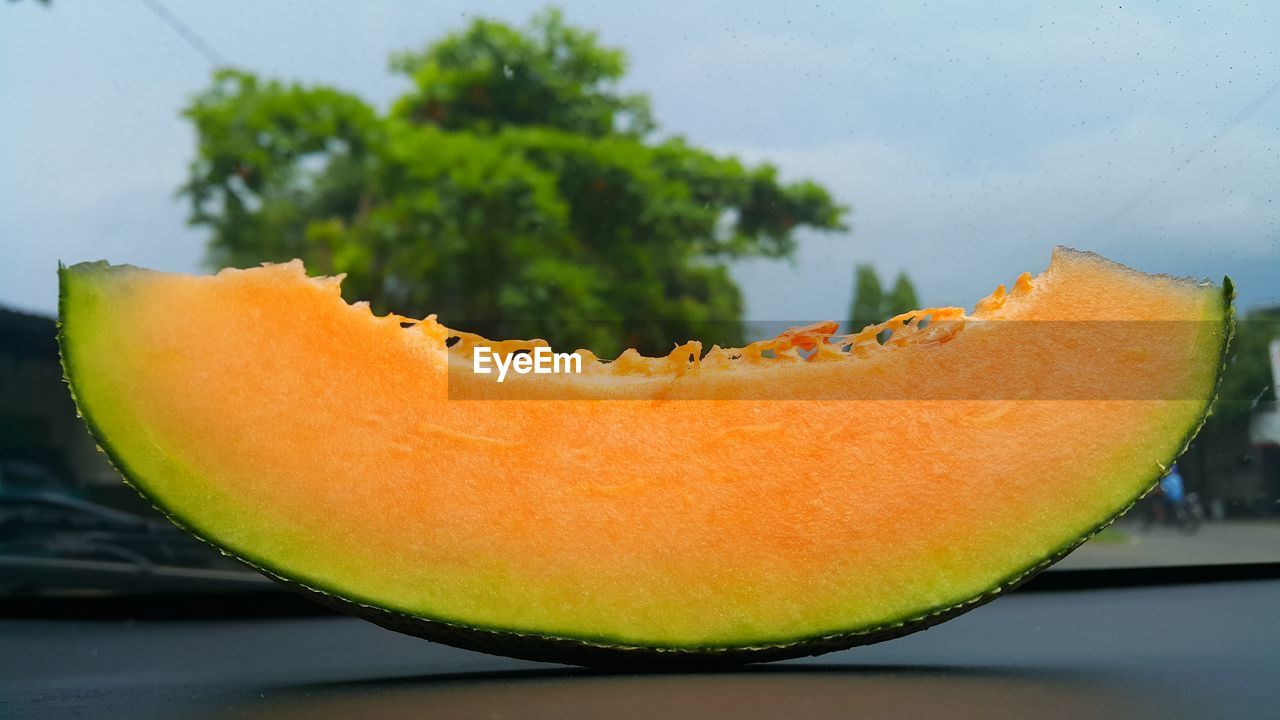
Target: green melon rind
[(598, 652)]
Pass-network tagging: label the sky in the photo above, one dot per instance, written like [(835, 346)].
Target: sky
[(968, 142)]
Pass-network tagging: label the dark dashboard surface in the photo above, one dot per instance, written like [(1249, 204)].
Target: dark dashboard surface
[(1203, 650)]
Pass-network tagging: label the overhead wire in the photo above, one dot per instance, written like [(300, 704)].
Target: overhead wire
[(1160, 181), (186, 32)]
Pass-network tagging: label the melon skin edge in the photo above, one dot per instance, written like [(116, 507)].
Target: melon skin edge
[(603, 654)]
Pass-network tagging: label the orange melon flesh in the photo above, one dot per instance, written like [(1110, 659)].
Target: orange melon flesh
[(333, 448)]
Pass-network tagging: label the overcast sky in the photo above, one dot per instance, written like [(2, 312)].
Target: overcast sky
[(969, 142)]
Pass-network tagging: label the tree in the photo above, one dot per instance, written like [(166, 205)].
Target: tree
[(868, 298), (1246, 376), (513, 190), (1222, 446), (902, 298), (870, 303)]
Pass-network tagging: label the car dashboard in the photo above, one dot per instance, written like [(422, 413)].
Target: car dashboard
[(1199, 649)]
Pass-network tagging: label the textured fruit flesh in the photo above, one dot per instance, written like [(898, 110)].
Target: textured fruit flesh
[(321, 442)]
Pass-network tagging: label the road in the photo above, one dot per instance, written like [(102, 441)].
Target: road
[(1227, 541)]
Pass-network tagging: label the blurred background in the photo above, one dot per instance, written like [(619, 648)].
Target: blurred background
[(701, 171)]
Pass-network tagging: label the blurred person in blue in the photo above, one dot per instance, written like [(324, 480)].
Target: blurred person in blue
[(1171, 490)]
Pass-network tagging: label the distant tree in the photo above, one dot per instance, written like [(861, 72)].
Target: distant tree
[(902, 298), (513, 189), (1246, 378), (868, 298), (1221, 446), (872, 305)]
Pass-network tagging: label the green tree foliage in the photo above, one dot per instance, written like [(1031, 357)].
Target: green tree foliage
[(902, 298), (492, 74), (513, 189), (1246, 379), (872, 305), (1246, 382), (868, 298)]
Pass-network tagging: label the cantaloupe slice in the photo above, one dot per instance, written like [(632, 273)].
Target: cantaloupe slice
[(800, 495)]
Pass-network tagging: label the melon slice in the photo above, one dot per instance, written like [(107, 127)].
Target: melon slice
[(800, 495)]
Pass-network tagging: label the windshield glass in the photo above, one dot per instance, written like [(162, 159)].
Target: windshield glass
[(852, 162)]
